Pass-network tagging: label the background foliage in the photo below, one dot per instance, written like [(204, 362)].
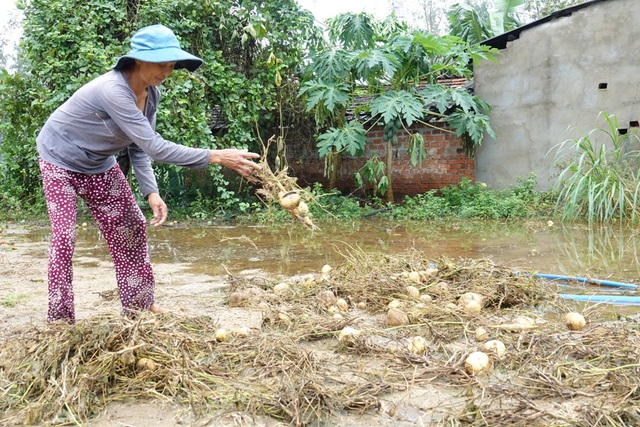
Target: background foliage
[(67, 43), (258, 56)]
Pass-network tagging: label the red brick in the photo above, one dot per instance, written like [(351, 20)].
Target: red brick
[(445, 164)]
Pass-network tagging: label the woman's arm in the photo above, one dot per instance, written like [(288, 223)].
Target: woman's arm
[(235, 159)]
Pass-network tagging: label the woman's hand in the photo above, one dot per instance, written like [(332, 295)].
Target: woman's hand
[(159, 209), (235, 159)]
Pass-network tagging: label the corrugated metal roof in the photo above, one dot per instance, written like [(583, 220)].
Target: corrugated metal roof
[(500, 42)]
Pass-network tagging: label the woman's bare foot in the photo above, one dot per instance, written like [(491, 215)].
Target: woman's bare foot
[(156, 309)]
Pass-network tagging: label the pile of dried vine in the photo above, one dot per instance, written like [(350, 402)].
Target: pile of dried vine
[(296, 369)]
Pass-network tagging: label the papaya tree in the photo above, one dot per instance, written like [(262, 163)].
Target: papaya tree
[(331, 82), (399, 71)]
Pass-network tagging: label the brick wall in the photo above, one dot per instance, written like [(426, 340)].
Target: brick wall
[(446, 163)]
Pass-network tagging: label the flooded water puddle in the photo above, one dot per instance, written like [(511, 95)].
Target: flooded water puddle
[(571, 250), (564, 250), (530, 247)]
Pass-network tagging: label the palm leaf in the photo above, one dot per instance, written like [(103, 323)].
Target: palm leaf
[(501, 13)]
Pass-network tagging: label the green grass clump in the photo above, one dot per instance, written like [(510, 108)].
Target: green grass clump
[(11, 300), (600, 181)]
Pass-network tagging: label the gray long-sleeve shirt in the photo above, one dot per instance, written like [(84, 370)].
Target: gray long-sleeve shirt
[(101, 119)]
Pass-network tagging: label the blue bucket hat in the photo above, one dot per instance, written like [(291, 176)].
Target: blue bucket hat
[(157, 43)]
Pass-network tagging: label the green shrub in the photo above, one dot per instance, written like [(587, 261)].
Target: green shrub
[(422, 207), (493, 205), (474, 200), (66, 43), (333, 205)]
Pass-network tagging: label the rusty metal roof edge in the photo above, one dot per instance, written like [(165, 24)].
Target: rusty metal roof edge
[(500, 41), (453, 82)]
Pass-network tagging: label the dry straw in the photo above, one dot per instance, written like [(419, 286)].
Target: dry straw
[(295, 370)]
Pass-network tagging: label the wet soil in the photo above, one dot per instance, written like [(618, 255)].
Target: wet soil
[(192, 266)]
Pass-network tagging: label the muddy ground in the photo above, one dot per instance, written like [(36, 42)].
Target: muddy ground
[(23, 301)]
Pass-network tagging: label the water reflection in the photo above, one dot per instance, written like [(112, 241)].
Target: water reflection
[(574, 250), (602, 250)]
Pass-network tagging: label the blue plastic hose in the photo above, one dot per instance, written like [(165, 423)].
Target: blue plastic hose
[(588, 281), (609, 299)]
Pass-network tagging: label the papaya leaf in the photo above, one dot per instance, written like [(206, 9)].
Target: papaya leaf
[(330, 65), (328, 95), (353, 30), (471, 126), (463, 99), (376, 62), (430, 43), (394, 103), (438, 95), (401, 43), (350, 138)]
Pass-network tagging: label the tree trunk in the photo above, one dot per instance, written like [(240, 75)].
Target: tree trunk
[(334, 165), (388, 195)]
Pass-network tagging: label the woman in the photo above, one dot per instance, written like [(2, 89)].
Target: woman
[(77, 145)]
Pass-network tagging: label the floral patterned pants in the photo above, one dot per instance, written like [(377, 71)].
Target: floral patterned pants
[(120, 221)]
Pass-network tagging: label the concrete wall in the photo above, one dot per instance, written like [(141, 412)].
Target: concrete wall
[(445, 165), (544, 89)]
